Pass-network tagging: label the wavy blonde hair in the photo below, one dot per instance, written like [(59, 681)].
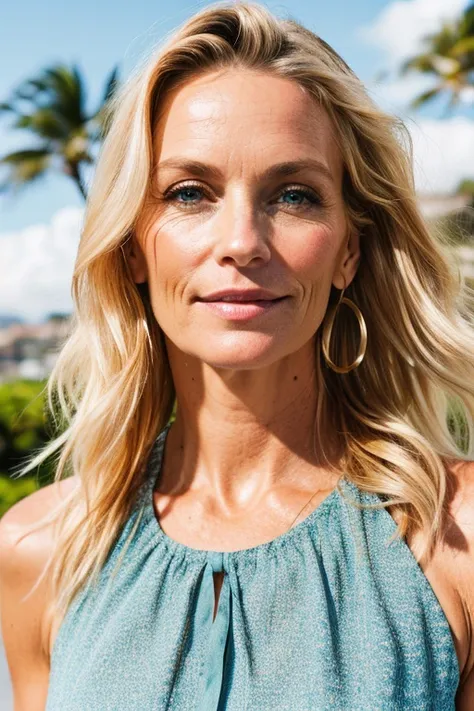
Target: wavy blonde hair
[(112, 383)]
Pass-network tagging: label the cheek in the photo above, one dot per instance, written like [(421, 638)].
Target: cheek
[(176, 247), (313, 254), (172, 255), (177, 239)]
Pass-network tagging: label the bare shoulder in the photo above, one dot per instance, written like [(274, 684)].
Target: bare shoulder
[(458, 564), (24, 623), (458, 532), (16, 548)]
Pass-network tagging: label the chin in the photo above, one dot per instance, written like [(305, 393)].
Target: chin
[(245, 358)]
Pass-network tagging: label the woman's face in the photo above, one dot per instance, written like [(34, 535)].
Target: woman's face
[(246, 194)]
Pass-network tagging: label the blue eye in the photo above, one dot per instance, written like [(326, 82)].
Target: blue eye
[(293, 197), (298, 196), (186, 194)]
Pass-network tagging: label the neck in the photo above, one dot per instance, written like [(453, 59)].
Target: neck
[(238, 435)]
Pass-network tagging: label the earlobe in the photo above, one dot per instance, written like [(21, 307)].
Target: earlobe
[(136, 261), (349, 262)]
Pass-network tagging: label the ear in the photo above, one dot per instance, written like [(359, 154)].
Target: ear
[(348, 262), (136, 260)]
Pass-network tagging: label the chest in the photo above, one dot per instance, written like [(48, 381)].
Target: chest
[(305, 623), (185, 521)]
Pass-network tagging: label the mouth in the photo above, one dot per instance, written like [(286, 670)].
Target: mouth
[(240, 301), (242, 310)]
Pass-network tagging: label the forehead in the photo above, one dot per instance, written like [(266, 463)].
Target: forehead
[(244, 110)]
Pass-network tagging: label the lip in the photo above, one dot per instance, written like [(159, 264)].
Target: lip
[(240, 295), (242, 311)]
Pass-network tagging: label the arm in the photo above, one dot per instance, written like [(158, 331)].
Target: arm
[(461, 569), (23, 623), (465, 695)]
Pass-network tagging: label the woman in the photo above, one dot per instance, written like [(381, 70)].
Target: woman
[(245, 554)]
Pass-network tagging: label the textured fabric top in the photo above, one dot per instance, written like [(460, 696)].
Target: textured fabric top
[(325, 616)]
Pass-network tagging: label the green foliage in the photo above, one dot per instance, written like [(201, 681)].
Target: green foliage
[(21, 406), (24, 429), (466, 187), (457, 424), (12, 491)]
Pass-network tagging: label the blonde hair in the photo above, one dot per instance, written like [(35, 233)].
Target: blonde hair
[(112, 383)]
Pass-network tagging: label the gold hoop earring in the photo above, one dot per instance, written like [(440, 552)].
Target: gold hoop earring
[(327, 332)]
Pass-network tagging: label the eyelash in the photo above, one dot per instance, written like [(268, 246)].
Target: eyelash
[(313, 198)]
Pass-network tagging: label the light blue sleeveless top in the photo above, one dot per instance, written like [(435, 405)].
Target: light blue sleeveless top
[(326, 616)]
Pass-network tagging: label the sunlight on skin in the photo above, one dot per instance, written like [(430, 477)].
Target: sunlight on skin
[(233, 221)]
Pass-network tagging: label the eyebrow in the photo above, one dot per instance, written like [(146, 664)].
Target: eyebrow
[(279, 170)]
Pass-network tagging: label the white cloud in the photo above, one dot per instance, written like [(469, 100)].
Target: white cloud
[(401, 25), (443, 153), (36, 266), (443, 148)]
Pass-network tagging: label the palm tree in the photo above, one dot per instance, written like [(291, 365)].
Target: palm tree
[(52, 109), (448, 56)]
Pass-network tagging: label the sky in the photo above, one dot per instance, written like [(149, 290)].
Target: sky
[(39, 227)]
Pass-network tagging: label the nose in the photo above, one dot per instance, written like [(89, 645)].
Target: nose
[(242, 235)]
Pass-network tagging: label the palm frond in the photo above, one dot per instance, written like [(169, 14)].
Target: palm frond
[(420, 63), (45, 123), (425, 97), (52, 107), (30, 90), (463, 46), (23, 167), (111, 84), (101, 119), (67, 94), (448, 55)]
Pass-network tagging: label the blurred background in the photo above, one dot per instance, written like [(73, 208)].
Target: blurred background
[(62, 62)]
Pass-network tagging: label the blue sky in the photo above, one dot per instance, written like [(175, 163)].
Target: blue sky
[(369, 34)]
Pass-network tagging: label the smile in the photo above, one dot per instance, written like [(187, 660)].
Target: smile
[(242, 310)]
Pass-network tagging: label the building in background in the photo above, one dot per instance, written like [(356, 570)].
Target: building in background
[(30, 350)]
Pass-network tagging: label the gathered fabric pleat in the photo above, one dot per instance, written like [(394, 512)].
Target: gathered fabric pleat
[(217, 631)]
